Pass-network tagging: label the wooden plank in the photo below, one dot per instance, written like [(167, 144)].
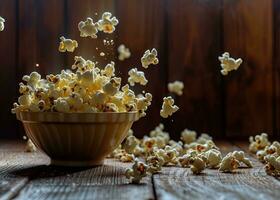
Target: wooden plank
[(180, 183), (249, 91), (142, 27), (8, 44), (276, 66), (79, 11), (194, 43)]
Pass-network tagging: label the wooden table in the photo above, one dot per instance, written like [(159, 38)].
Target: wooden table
[(28, 176)]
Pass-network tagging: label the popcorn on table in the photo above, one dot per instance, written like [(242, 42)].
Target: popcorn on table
[(240, 156), (149, 57), (137, 172), (272, 166), (107, 23), (168, 107), (258, 142), (124, 52), (188, 136), (197, 164), (2, 25), (228, 64), (136, 76), (229, 163), (67, 45), (88, 28), (155, 163), (176, 87), (214, 158), (30, 147)]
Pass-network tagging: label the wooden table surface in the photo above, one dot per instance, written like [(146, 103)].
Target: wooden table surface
[(28, 176)]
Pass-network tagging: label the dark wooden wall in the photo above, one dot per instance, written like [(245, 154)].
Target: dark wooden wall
[(189, 35)]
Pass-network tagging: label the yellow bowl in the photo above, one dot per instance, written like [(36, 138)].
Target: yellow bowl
[(77, 139)]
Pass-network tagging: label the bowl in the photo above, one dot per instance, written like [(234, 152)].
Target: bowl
[(77, 139)]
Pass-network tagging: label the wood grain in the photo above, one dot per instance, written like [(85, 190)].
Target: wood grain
[(249, 91), (142, 27), (8, 48), (194, 43)]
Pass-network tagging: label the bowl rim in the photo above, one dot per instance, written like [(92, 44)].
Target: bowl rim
[(73, 117)]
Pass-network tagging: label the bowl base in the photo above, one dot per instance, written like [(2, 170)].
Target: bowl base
[(77, 163)]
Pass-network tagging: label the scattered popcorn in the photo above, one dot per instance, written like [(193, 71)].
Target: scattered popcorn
[(228, 64), (259, 142), (130, 144), (2, 25), (30, 147), (154, 163), (272, 166), (240, 156), (188, 136), (67, 45), (124, 52), (88, 28), (176, 87), (149, 57), (136, 76), (126, 157), (229, 163), (197, 164), (137, 172), (107, 23), (168, 107), (214, 158), (160, 135), (185, 159)]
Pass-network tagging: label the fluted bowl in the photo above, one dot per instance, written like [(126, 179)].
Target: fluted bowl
[(77, 139)]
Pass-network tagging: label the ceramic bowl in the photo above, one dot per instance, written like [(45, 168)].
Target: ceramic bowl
[(77, 139)]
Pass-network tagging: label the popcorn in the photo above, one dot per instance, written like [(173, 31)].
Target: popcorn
[(148, 144), (185, 159), (126, 157), (188, 136), (30, 147), (228, 64), (2, 25), (197, 164), (273, 149), (137, 172), (61, 105), (82, 65), (214, 158), (229, 163), (176, 87), (273, 165), (203, 138), (154, 163), (88, 28), (168, 107), (168, 154), (136, 76), (160, 135), (142, 103), (149, 57), (109, 70), (130, 144), (124, 52), (107, 23), (112, 87), (240, 156), (258, 143), (67, 45)]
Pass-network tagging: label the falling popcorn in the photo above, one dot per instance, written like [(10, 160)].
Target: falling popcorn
[(228, 64), (67, 45), (176, 87), (168, 107), (2, 25), (136, 76), (124, 52), (107, 23), (88, 28), (149, 57)]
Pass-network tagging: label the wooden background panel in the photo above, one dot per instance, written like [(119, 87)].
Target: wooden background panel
[(8, 46), (78, 11), (194, 43), (249, 93), (142, 27)]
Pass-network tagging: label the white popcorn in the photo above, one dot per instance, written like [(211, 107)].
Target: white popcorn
[(229, 163), (273, 149), (107, 23), (176, 87), (2, 25), (228, 64), (124, 52), (214, 158), (203, 138), (159, 134), (67, 45), (137, 172), (188, 136), (259, 142), (142, 103), (155, 163), (169, 155), (33, 80), (136, 76), (197, 164), (109, 70), (113, 86), (126, 157), (88, 28), (168, 107), (149, 57), (273, 165), (30, 147), (130, 144), (240, 156), (82, 65), (61, 105), (185, 159)]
